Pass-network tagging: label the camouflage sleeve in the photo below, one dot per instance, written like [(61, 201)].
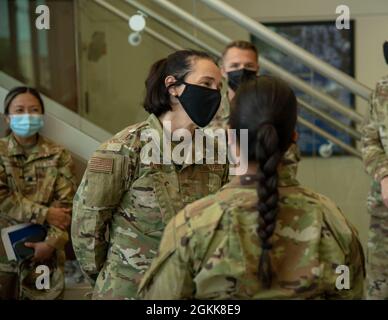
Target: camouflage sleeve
[(342, 257), (96, 199), (356, 262), (15, 207), (169, 276), (374, 157)]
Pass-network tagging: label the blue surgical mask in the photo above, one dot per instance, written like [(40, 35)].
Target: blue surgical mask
[(26, 125)]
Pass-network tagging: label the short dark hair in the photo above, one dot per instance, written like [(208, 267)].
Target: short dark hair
[(243, 45), (13, 93), (178, 64)]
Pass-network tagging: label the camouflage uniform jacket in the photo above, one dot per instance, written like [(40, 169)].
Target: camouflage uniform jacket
[(29, 185), (211, 249), (134, 200)]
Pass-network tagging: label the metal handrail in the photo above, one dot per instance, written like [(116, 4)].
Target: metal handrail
[(301, 102), (329, 137), (271, 67), (288, 47), (332, 121)]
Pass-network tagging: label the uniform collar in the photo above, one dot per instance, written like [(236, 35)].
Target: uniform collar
[(286, 179)]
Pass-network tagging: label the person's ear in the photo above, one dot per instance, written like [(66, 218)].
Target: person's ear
[(295, 137), (168, 83), (7, 120)]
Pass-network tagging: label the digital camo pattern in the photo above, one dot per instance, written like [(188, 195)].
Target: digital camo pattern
[(29, 184), (375, 157)]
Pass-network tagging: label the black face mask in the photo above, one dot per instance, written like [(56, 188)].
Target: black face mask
[(385, 47), (200, 103), (237, 77)]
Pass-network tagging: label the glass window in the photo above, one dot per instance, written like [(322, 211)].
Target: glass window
[(24, 44)]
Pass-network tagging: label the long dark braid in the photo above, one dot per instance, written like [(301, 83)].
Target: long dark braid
[(267, 108)]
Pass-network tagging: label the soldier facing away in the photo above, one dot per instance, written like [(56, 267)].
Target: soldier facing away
[(263, 236), (123, 203), (37, 185), (375, 156)]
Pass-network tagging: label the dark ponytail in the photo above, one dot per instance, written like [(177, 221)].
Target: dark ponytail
[(267, 108), (157, 99), (178, 64)]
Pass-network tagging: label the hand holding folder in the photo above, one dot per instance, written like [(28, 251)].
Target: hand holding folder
[(16, 236)]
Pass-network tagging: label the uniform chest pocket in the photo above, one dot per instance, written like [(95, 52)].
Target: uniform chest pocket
[(46, 176)]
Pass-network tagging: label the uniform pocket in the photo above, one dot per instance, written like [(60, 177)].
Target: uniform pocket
[(151, 203), (131, 252)]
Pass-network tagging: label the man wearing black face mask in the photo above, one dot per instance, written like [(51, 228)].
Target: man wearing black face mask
[(239, 63)]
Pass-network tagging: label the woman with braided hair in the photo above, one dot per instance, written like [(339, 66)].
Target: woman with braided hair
[(262, 236)]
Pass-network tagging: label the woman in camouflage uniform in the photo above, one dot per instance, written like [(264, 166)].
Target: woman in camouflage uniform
[(37, 186), (123, 202), (263, 236)]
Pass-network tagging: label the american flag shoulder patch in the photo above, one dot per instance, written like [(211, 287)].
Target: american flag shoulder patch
[(101, 165)]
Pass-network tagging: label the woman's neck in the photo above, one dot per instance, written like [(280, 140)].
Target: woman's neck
[(27, 141)]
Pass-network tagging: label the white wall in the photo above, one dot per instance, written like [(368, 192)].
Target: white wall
[(344, 181)]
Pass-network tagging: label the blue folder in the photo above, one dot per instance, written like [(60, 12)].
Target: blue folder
[(14, 237)]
